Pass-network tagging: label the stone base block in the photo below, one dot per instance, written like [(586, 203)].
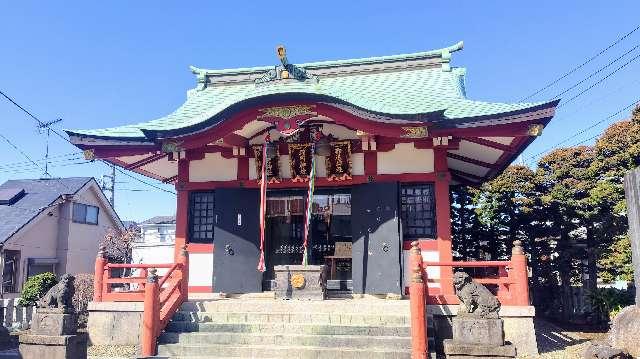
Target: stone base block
[(115, 323), (53, 346), (471, 330), (518, 326), (53, 322), (300, 282), (455, 350)]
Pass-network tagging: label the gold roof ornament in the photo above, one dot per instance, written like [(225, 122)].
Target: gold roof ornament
[(89, 154), (535, 130)]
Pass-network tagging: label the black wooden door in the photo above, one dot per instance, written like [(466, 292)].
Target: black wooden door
[(237, 241), (376, 238)]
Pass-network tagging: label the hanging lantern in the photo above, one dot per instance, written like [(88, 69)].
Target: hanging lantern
[(272, 151), (323, 148)]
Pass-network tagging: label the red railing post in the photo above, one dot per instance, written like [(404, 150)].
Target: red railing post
[(151, 315), (98, 274), (519, 275), (184, 273), (143, 273), (417, 299)]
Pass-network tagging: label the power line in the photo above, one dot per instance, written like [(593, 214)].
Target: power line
[(566, 139), (67, 140), (141, 181), (563, 76), (20, 151), (595, 72), (599, 81)]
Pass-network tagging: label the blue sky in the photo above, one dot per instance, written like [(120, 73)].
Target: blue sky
[(100, 64)]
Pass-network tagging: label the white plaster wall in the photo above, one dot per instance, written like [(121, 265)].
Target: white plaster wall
[(432, 272), (467, 167), (357, 164), (214, 167), (478, 152), (162, 167), (405, 158), (285, 168), (200, 269)]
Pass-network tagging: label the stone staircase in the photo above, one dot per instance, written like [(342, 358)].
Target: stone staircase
[(254, 328)]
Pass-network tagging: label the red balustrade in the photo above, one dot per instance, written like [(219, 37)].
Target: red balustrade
[(162, 295), (511, 278)]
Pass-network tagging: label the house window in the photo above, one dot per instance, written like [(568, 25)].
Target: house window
[(201, 217), (417, 211), (84, 213), (10, 273)]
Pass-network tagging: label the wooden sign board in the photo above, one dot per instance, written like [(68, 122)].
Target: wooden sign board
[(343, 249)]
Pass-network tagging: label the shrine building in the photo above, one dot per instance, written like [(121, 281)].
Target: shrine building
[(374, 144)]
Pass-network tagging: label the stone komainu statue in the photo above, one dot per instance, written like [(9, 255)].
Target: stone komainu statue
[(59, 296), (477, 299)]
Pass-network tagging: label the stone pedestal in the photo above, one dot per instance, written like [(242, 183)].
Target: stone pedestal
[(53, 346), (53, 335), (475, 338), (300, 282)]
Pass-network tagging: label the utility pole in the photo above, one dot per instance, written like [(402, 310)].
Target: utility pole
[(47, 126), (112, 187)]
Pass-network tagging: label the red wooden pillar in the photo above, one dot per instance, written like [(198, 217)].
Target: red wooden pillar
[(417, 299), (443, 218), (151, 315), (184, 273), (98, 275), (519, 275), (182, 208)]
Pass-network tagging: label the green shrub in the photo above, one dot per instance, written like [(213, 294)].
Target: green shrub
[(36, 287), (609, 301)]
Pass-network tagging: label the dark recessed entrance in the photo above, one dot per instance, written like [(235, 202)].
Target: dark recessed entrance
[(330, 233)]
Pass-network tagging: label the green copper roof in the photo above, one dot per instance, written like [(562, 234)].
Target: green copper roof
[(400, 89)]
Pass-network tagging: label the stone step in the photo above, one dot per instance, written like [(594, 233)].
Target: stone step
[(361, 306), (288, 317), (326, 341), (266, 351), (288, 328)]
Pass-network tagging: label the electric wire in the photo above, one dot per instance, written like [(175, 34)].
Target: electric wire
[(597, 72), (583, 130), (67, 140), (566, 74)]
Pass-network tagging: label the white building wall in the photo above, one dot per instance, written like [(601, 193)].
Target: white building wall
[(405, 158)]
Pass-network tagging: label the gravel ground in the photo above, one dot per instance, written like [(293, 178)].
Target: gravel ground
[(555, 342), (112, 351)]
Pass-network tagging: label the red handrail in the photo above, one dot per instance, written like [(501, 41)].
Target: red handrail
[(512, 280), (162, 297)]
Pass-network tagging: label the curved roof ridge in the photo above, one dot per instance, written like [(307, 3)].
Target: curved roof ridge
[(444, 53)]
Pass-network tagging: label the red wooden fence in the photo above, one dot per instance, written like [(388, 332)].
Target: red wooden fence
[(511, 279), (162, 295)]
